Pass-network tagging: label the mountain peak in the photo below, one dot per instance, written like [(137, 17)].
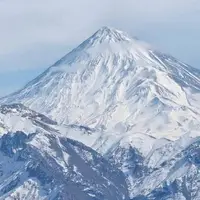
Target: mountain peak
[(109, 34), (106, 38), (106, 29), (108, 74)]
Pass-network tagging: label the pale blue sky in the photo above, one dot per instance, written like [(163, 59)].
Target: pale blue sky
[(34, 34)]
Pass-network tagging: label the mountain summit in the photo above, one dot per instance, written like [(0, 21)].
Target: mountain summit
[(117, 83), (108, 34), (105, 40)]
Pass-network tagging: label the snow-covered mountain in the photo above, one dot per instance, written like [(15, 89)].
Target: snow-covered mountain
[(154, 168), (114, 82), (38, 163), (134, 105)]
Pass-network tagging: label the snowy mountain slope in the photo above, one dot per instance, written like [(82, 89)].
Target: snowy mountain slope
[(154, 169), (175, 177), (165, 170), (137, 107), (17, 117), (118, 83), (40, 163)]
